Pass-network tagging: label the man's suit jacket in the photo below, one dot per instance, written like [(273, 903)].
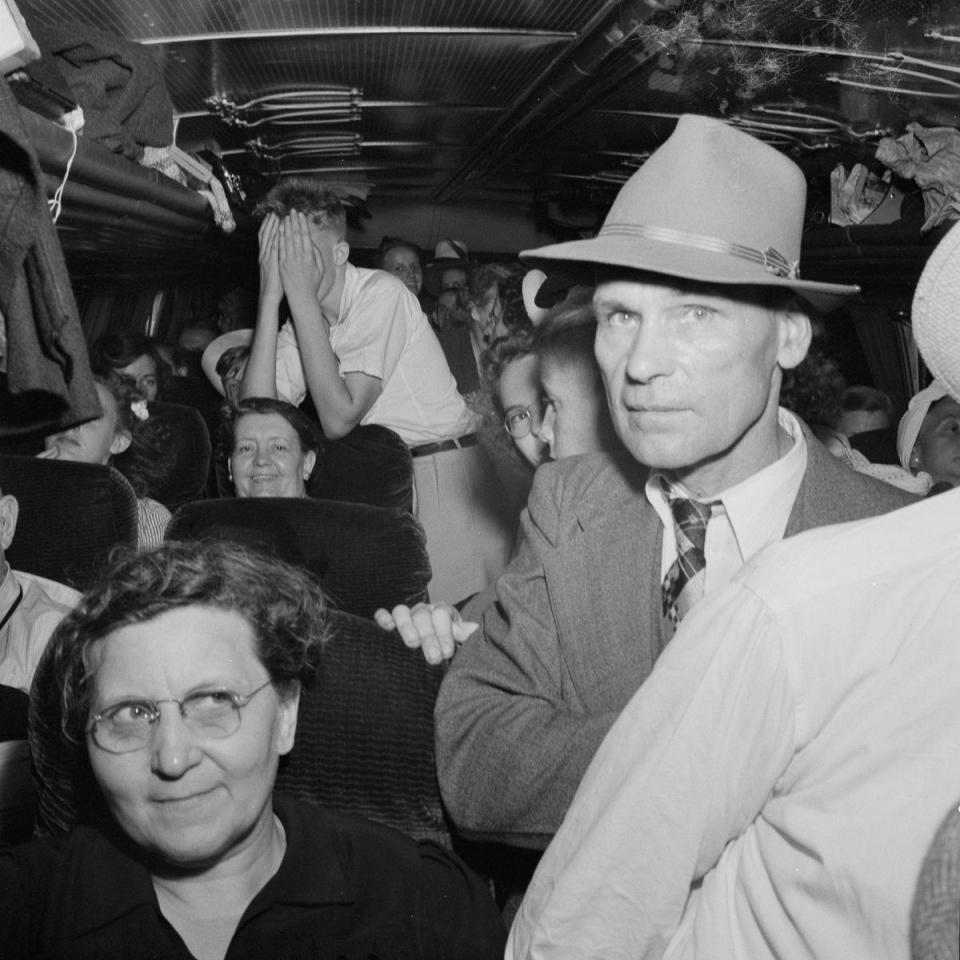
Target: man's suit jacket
[(576, 629)]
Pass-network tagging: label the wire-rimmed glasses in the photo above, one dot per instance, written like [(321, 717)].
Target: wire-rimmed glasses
[(208, 714), (520, 421)]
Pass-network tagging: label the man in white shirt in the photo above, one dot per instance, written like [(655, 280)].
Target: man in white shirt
[(772, 789), (359, 344), (700, 310), (30, 608)]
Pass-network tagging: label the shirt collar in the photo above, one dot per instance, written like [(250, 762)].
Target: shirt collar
[(757, 508)]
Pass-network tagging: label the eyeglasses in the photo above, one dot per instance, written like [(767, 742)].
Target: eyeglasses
[(520, 421), (209, 714)]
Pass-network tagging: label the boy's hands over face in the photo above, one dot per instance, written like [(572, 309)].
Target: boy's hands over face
[(302, 268)]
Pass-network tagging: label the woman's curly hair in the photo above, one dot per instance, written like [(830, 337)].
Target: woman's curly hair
[(283, 604)]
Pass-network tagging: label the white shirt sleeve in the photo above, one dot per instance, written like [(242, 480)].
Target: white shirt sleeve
[(684, 771)]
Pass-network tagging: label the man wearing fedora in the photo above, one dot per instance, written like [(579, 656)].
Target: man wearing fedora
[(773, 789), (700, 309)]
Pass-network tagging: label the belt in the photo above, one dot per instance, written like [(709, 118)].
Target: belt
[(458, 443)]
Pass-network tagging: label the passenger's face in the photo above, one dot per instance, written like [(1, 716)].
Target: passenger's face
[(852, 422), (191, 800), (405, 263), (938, 445), (94, 441), (517, 389), (452, 281), (267, 458), (575, 416), (692, 377), (143, 371), (487, 316)]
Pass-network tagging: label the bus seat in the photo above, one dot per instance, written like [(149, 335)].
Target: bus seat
[(18, 794), (366, 557), (878, 446), (71, 516), (371, 464), (188, 476), (365, 732)]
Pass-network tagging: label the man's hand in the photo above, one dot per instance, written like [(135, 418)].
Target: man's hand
[(271, 289), (436, 628), (301, 269)]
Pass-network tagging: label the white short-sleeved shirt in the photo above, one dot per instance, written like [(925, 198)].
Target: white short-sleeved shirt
[(43, 604), (382, 332)]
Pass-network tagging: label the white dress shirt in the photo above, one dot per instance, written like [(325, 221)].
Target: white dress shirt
[(772, 789), (382, 332), (42, 604), (745, 517)]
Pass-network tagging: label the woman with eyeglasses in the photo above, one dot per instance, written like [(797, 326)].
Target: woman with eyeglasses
[(180, 681)]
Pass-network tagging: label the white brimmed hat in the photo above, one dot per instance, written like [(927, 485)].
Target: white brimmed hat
[(712, 204), (935, 319), (216, 348)]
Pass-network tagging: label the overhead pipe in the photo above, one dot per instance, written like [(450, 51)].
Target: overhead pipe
[(603, 37)]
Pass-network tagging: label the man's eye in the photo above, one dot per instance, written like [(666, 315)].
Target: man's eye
[(244, 448), (696, 313), (619, 318)]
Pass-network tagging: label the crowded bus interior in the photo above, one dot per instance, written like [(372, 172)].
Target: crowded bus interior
[(477, 479)]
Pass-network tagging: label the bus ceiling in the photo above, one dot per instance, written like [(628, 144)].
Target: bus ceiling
[(499, 122)]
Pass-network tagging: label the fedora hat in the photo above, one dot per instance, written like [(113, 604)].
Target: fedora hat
[(446, 254), (712, 204), (934, 315)]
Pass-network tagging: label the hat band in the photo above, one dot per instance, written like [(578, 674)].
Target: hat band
[(770, 259)]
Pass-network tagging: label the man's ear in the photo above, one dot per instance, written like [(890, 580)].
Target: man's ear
[(795, 334), (121, 440), (309, 461), (9, 511), (340, 253)]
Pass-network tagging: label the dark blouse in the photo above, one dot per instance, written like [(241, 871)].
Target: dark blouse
[(346, 889)]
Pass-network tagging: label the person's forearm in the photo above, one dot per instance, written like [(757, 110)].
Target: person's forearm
[(338, 410), (260, 378)]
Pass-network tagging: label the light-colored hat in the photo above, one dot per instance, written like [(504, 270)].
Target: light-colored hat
[(216, 348), (936, 327), (446, 254), (712, 204), (912, 420)]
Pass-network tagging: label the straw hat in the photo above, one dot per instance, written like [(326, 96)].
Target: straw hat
[(712, 204), (935, 324), (216, 348), (446, 254)]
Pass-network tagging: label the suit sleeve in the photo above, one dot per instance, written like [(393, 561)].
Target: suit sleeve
[(510, 750), (683, 772)]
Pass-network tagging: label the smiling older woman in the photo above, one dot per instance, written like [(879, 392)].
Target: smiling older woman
[(273, 450), (181, 680)]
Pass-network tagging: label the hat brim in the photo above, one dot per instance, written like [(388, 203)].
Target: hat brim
[(577, 261)]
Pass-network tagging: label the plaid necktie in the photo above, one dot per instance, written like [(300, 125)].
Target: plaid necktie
[(683, 585)]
